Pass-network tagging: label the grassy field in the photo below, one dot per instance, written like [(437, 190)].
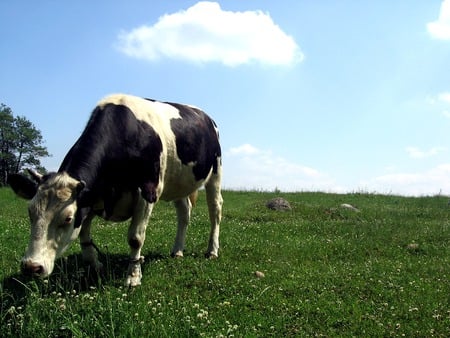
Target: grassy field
[(328, 271)]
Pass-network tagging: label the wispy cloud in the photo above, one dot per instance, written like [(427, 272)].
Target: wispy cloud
[(441, 101), (444, 97), (430, 182), (248, 167), (207, 33), (244, 150), (440, 29), (418, 153)]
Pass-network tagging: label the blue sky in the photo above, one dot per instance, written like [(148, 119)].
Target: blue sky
[(309, 95)]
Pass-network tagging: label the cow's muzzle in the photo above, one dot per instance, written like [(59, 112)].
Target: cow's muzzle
[(30, 268)]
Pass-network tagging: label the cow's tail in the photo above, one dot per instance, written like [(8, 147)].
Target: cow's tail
[(193, 198)]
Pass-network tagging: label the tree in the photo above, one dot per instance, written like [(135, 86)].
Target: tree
[(20, 144)]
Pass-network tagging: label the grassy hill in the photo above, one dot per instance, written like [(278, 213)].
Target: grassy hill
[(326, 271)]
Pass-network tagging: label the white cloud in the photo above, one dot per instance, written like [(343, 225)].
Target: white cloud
[(417, 153), (444, 97), (206, 33), (248, 167), (245, 149), (440, 29), (441, 101), (430, 182)]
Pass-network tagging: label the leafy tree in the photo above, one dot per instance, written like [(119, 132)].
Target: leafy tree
[(20, 144)]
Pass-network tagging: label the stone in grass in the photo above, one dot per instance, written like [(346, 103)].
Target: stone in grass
[(279, 204), (259, 274), (349, 207), (413, 247)]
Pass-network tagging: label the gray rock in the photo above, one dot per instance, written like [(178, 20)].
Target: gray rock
[(279, 204)]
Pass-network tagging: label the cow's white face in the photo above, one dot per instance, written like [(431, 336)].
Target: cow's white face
[(52, 213)]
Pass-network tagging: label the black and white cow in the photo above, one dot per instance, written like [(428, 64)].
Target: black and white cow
[(132, 153)]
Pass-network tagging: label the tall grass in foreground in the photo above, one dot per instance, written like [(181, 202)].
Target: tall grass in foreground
[(328, 271)]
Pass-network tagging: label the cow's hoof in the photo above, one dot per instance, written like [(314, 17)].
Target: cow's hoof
[(177, 254), (132, 281), (211, 255), (134, 274)]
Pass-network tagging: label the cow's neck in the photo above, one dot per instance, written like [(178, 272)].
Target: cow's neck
[(86, 159), (83, 163)]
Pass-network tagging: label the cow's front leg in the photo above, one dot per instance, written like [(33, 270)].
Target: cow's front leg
[(183, 208), (89, 251), (136, 238)]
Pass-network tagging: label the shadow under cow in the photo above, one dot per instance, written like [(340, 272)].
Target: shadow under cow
[(71, 273)]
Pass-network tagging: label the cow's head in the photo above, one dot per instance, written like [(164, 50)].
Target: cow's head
[(53, 212)]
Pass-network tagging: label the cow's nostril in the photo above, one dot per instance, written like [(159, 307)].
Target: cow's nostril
[(37, 269), (30, 268)]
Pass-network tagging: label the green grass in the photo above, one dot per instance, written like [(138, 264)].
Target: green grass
[(328, 271)]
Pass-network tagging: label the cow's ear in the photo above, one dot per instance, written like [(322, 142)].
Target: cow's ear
[(22, 186)]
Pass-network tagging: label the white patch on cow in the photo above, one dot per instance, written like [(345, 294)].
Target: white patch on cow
[(155, 113)]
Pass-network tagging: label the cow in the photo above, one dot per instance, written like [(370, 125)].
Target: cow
[(132, 153)]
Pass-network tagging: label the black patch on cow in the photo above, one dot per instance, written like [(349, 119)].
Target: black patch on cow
[(115, 153), (197, 140)]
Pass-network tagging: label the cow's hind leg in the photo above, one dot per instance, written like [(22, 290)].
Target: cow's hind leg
[(183, 208), (215, 201), (136, 238)]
